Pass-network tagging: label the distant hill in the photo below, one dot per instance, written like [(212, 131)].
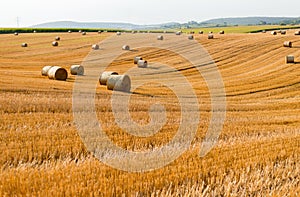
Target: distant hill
[(242, 21)]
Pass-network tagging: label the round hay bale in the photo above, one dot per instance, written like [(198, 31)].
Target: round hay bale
[(178, 33), (165, 32), (273, 33), (57, 73), (95, 47), (126, 48), (201, 32), (80, 31), (287, 44), (83, 33), (210, 36), (119, 33), (104, 77), (34, 31), (119, 83), (57, 38), (133, 32), (263, 31), (282, 32), (45, 70), (142, 64), (136, 59), (210, 32), (77, 70), (55, 43), (160, 38), (24, 45), (290, 59), (99, 32), (222, 32), (192, 32), (69, 31), (16, 33), (191, 37), (297, 33)]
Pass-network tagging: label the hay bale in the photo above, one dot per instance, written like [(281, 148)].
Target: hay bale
[(119, 83), (210, 32), (69, 31), (160, 37), (16, 33), (99, 32), (45, 70), (136, 59), (290, 59), (57, 38), (273, 33), (126, 48), (119, 33), (83, 33), (55, 43), (297, 33), (201, 32), (287, 44), (222, 32), (57, 73), (165, 32), (104, 77), (178, 33), (263, 31), (133, 32), (95, 47), (24, 45), (77, 70), (210, 36), (34, 31), (282, 32), (191, 37), (80, 31), (192, 32), (142, 64)]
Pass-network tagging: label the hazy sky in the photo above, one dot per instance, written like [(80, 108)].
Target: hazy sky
[(32, 12)]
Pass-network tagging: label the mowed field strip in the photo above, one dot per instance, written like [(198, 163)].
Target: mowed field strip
[(257, 153)]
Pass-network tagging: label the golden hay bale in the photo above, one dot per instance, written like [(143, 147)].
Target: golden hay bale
[(160, 37), (69, 31), (126, 48), (77, 70), (119, 33), (80, 31), (104, 77), (57, 38), (24, 45), (210, 32), (95, 47), (297, 33), (136, 59), (57, 73), (16, 33), (142, 64), (222, 32), (201, 32), (282, 32), (287, 44), (45, 70), (191, 37), (119, 83), (34, 31), (99, 32), (290, 59), (273, 33), (263, 31), (55, 43), (210, 36), (83, 33)]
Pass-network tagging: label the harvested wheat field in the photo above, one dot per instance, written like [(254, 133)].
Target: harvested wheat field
[(257, 153)]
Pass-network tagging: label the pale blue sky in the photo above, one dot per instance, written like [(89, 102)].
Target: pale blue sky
[(32, 12)]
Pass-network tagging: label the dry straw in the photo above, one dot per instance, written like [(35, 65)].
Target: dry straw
[(57, 73), (45, 70), (77, 70), (24, 45), (119, 83), (142, 64), (104, 77)]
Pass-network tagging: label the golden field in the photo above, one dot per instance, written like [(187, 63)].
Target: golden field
[(257, 153)]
